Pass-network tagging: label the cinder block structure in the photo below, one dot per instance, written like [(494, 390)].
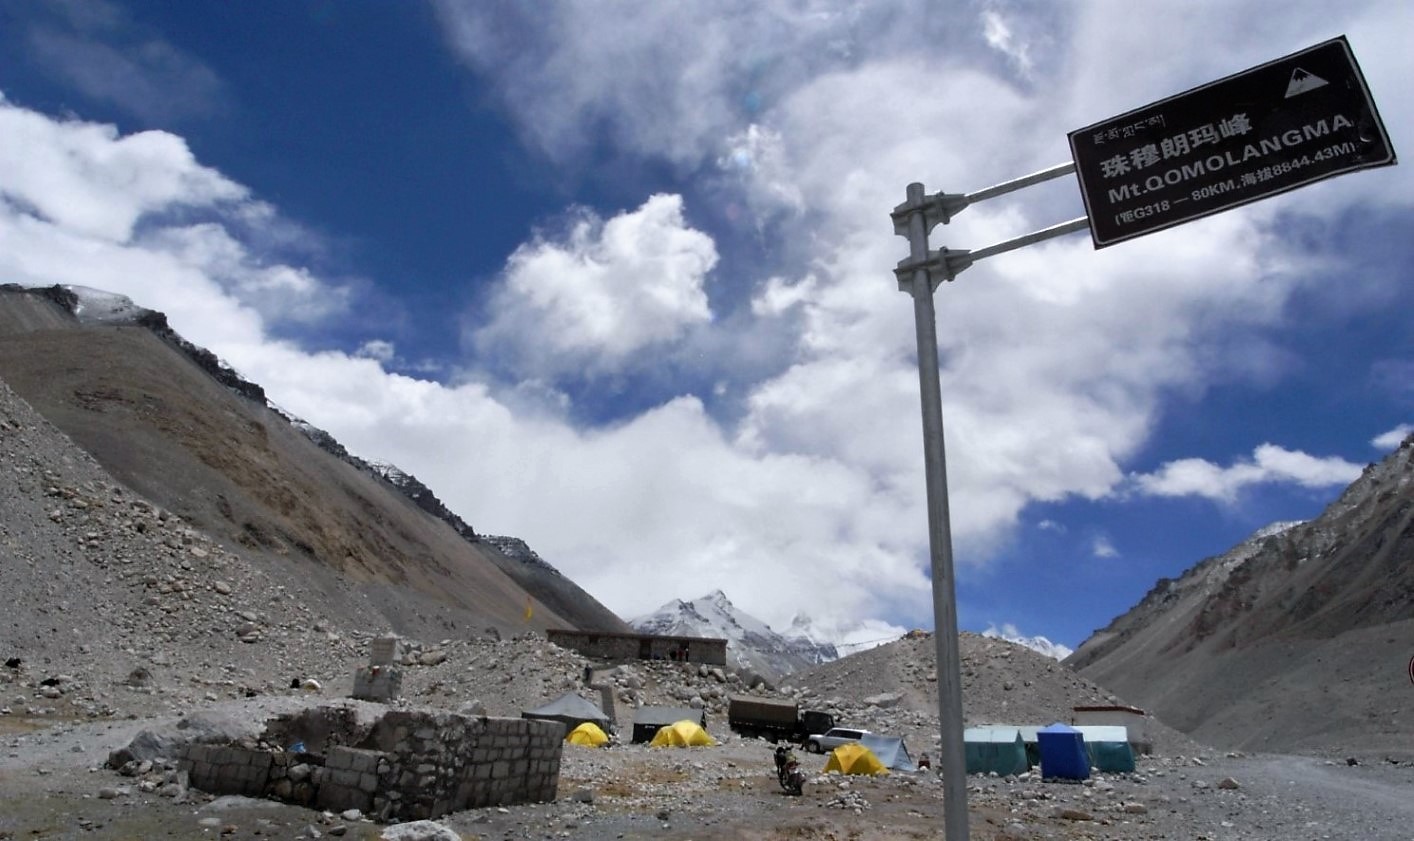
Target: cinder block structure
[(381, 680), (405, 765)]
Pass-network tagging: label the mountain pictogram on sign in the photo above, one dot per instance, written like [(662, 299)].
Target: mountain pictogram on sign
[(1302, 81)]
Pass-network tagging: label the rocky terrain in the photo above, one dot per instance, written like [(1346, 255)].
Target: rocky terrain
[(168, 421), (125, 615), (126, 618), (1297, 640)]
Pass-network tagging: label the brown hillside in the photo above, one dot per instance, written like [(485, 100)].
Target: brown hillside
[(162, 425), (1295, 641)]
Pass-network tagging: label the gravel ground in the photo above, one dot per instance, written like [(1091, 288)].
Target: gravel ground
[(52, 785)]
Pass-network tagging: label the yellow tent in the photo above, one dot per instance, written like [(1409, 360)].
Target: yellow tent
[(854, 758), (682, 734), (587, 734)]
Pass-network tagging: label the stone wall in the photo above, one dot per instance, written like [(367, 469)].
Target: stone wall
[(408, 764)]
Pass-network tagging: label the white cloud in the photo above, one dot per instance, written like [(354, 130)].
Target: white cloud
[(1103, 547), (280, 292), (780, 295), (606, 291), (1269, 464), (382, 351), (997, 31), (86, 179), (1393, 438)]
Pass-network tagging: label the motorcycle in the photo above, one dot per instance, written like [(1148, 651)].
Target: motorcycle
[(788, 772)]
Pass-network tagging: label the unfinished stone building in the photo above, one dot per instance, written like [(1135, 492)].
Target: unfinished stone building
[(403, 764)]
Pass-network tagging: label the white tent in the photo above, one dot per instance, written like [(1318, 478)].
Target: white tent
[(890, 750)]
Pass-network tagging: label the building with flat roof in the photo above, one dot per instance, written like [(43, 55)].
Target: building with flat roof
[(617, 647)]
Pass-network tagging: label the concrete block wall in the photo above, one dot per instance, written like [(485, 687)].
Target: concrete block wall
[(449, 762), (413, 765), (378, 683), (227, 769)]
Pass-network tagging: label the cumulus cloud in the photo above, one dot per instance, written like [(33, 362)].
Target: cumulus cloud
[(1269, 464), (603, 293), (85, 178)]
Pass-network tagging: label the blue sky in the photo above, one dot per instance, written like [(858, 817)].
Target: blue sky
[(616, 278)]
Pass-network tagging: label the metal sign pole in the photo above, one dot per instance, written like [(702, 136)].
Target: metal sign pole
[(953, 759), (919, 275)]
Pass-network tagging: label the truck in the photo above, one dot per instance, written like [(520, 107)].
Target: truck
[(775, 720)]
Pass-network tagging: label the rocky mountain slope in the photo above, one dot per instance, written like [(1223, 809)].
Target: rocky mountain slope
[(751, 644), (182, 431), (1298, 639)]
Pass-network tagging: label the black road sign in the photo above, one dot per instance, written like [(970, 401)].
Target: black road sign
[(1273, 128)]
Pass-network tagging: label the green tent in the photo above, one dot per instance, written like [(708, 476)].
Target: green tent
[(997, 750), (1108, 746), (1033, 743)]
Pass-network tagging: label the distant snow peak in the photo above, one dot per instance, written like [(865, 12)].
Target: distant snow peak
[(751, 644), (1275, 529), (1011, 633), (94, 306)]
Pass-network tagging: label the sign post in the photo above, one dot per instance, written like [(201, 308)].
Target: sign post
[(1257, 133), (1254, 134)]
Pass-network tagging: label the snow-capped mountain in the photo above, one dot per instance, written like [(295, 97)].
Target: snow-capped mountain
[(1039, 644), (751, 644)]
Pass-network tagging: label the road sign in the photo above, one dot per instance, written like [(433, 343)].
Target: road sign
[(1254, 134)]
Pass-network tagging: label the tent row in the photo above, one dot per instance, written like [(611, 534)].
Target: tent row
[(1062, 751), (586, 724)]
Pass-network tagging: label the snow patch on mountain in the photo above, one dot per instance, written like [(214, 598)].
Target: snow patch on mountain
[(1011, 633), (751, 644)]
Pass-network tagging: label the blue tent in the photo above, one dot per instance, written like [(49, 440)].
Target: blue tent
[(1063, 753)]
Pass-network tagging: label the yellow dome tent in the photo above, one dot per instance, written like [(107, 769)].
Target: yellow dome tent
[(587, 734), (682, 734), (854, 758)]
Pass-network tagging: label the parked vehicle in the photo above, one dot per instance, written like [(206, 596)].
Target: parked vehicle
[(775, 720), (788, 772), (833, 738)]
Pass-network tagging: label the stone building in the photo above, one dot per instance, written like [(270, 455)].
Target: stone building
[(616, 647)]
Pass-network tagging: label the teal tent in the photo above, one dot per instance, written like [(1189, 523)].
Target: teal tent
[(997, 750), (1033, 747), (1108, 747)]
